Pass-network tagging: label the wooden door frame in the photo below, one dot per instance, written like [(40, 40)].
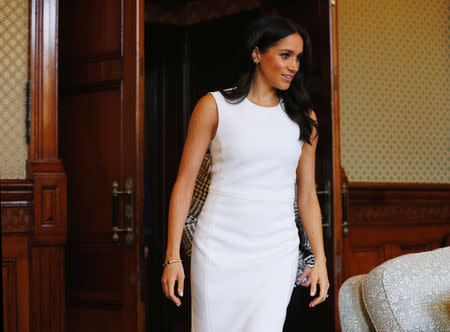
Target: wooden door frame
[(141, 139), (116, 68), (45, 169), (336, 159), (36, 207), (43, 193)]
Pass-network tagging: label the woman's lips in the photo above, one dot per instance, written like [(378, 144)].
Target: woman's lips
[(287, 77)]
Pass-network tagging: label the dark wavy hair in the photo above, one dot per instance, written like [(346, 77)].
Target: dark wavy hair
[(264, 33)]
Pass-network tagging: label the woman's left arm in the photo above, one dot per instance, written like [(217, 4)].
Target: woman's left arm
[(309, 210)]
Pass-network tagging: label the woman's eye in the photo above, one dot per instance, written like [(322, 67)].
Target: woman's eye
[(285, 55)]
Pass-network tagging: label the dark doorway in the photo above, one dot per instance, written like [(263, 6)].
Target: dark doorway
[(183, 63)]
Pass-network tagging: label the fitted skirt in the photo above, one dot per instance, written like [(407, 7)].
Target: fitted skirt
[(244, 263)]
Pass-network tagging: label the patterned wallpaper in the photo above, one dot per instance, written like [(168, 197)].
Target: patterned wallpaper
[(394, 62), (13, 76)]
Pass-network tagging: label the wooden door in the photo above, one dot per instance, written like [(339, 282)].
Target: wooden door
[(102, 142), (319, 19)]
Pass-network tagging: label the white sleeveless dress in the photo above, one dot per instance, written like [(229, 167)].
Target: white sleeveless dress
[(245, 248)]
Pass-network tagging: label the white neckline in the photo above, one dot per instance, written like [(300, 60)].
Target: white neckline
[(264, 108)]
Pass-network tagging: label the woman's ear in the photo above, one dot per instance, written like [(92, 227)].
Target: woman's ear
[(256, 54)]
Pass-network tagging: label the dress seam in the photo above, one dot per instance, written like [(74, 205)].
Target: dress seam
[(208, 248)]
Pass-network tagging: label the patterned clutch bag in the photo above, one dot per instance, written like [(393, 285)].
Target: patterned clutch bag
[(305, 257)]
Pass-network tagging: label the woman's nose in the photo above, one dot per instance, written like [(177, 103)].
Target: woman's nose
[(293, 66)]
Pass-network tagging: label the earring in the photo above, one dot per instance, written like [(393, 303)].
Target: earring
[(256, 61)]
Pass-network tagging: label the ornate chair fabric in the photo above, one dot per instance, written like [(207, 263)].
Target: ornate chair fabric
[(407, 293), (352, 312)]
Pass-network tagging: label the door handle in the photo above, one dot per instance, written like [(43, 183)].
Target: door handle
[(326, 202), (344, 210), (128, 192)]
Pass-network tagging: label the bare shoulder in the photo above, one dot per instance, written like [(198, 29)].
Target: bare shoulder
[(204, 118), (207, 103), (206, 110)]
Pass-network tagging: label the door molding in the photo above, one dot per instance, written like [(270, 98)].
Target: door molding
[(45, 170), (386, 220), (17, 222)]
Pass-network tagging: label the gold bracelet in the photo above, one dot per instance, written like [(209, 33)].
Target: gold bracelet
[(172, 261)]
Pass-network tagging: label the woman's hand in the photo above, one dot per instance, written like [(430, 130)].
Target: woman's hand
[(305, 275), (319, 276), (173, 272)]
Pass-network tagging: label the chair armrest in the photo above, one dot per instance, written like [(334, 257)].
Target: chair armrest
[(352, 312)]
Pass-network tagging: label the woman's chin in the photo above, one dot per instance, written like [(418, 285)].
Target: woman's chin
[(283, 86)]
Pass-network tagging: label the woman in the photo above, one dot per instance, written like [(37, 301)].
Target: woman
[(262, 135)]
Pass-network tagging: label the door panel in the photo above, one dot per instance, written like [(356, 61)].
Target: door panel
[(386, 220), (101, 121)]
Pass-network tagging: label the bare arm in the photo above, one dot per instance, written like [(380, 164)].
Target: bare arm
[(310, 214), (202, 126)]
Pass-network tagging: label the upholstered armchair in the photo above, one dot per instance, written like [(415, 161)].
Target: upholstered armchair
[(407, 293)]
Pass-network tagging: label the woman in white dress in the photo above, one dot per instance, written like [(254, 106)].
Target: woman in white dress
[(262, 135)]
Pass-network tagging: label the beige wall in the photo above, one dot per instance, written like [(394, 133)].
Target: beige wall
[(13, 76), (394, 60)]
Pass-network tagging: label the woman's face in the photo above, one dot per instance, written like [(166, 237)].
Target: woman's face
[(279, 64)]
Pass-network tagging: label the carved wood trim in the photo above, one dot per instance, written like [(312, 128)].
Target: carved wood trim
[(16, 219), (16, 281), (45, 170), (399, 186), (399, 203), (9, 267), (16, 190), (48, 300), (387, 220), (191, 12), (44, 80), (16, 206), (50, 203)]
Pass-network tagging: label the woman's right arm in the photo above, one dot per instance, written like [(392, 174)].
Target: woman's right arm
[(202, 125)]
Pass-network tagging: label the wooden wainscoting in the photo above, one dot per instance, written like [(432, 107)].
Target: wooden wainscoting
[(17, 225), (33, 210), (387, 220)]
